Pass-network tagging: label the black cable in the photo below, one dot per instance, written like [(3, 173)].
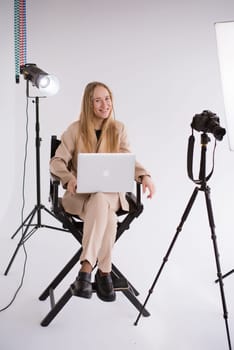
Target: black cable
[(22, 212)]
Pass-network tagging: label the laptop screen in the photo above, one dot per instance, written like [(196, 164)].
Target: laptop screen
[(105, 172)]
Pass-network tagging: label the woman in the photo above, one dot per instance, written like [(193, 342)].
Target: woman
[(95, 131)]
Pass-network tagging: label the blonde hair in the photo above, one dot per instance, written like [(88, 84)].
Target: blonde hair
[(87, 132)]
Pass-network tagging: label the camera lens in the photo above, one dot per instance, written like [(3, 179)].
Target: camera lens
[(219, 133)]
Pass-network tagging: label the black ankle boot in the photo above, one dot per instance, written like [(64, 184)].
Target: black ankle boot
[(83, 285)]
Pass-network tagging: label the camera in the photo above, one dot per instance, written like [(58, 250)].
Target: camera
[(208, 122)]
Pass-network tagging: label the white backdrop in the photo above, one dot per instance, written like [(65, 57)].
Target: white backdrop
[(160, 60)]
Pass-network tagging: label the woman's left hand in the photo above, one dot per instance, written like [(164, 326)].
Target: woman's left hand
[(147, 183)]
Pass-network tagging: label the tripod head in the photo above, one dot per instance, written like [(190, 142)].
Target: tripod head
[(202, 180)]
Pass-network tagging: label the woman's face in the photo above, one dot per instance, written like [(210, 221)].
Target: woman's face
[(102, 104)]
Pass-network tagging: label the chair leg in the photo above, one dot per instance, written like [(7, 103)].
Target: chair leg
[(56, 308), (130, 293), (131, 297), (67, 268), (119, 274)]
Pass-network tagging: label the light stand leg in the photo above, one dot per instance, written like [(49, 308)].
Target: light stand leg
[(165, 259), (219, 273), (28, 224), (30, 217), (24, 223)]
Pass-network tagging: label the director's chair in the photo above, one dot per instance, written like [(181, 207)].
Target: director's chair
[(74, 225)]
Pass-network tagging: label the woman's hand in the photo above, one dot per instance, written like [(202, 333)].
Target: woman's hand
[(72, 185), (147, 183)]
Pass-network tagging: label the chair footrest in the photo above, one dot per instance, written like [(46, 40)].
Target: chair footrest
[(119, 284)]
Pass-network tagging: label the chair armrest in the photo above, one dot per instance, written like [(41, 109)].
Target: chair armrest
[(134, 200)]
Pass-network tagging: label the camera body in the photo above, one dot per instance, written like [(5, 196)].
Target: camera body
[(208, 122)]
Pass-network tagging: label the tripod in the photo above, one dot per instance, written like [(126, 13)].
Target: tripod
[(39, 207), (204, 188)]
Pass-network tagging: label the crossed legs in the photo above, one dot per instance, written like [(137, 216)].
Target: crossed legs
[(98, 210), (100, 224)]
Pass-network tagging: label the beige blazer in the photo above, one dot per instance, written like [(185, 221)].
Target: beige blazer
[(64, 163)]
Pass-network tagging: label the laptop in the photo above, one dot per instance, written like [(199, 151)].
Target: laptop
[(105, 172)]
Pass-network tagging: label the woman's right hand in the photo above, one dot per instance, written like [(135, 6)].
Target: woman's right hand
[(72, 185)]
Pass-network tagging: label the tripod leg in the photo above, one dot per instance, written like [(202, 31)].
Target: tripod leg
[(21, 240), (218, 266), (179, 228), (225, 275), (24, 222)]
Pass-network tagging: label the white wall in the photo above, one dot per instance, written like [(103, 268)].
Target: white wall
[(160, 60)]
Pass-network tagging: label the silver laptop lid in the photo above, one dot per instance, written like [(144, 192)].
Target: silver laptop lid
[(105, 172)]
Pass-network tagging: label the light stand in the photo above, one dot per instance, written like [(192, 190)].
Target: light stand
[(27, 225), (204, 188)]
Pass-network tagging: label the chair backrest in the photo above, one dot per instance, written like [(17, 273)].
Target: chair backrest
[(54, 145), (54, 182)]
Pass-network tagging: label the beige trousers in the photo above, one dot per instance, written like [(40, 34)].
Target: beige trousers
[(98, 210)]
